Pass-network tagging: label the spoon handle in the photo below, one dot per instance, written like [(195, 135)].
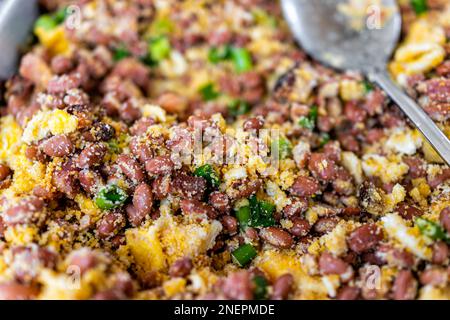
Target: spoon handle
[(415, 113)]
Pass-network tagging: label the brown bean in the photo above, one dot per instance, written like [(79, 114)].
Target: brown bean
[(297, 207), (140, 150), (110, 224), (64, 179), (282, 287), (128, 112), (58, 146), (405, 286), (305, 187), (16, 291), (238, 286), (2, 227), (84, 259), (230, 224), (300, 227), (160, 165), (322, 167), (195, 207), (348, 293), (143, 200), (440, 252), (130, 168), (92, 155), (172, 102), (325, 225), (161, 187), (444, 218), (27, 210), (277, 237), (220, 202), (140, 127), (328, 264), (253, 124), (408, 212), (61, 64), (188, 186), (5, 171), (90, 180), (181, 268), (434, 277), (364, 238)]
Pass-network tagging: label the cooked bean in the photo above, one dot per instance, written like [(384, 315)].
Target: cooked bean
[(230, 224), (408, 212), (140, 127), (322, 167), (90, 180), (2, 227), (195, 207), (61, 64), (405, 286), (181, 268), (325, 225), (434, 277), (16, 291), (64, 179), (110, 224), (92, 155), (143, 199), (58, 146), (5, 171), (128, 112), (440, 252), (277, 237), (102, 131), (27, 210), (238, 286), (130, 168), (444, 218), (84, 259), (282, 287), (305, 187), (159, 166), (364, 238), (297, 207), (33, 153), (172, 102), (348, 293), (140, 150), (161, 187), (253, 124), (328, 264), (188, 186), (220, 202), (300, 227)]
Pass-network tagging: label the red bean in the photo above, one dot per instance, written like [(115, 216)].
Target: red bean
[(328, 264), (58, 146), (140, 127), (348, 293), (172, 102), (160, 165), (282, 287), (300, 227), (405, 286), (90, 180), (238, 286), (220, 202), (27, 210), (140, 150), (130, 168), (277, 237), (417, 167), (5, 171), (325, 225), (143, 200), (16, 291), (364, 238), (161, 187), (444, 218), (188, 186), (181, 268), (354, 112), (92, 155), (253, 124), (63, 83), (440, 252), (408, 212), (321, 167), (128, 112), (195, 207), (61, 64), (110, 224), (64, 179), (305, 187), (297, 207), (230, 224)]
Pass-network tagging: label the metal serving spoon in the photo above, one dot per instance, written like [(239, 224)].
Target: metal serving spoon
[(327, 36)]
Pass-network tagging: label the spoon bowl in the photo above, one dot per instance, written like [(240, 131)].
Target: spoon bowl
[(329, 36)]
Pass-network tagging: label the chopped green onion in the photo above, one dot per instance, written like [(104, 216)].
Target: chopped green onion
[(238, 107), (242, 59), (243, 215), (110, 197), (283, 147), (215, 55), (260, 290), (244, 254), (309, 121), (261, 213), (120, 53), (368, 87), (419, 6), (209, 174), (209, 92), (324, 138), (61, 15), (113, 145), (46, 22), (159, 48), (431, 229)]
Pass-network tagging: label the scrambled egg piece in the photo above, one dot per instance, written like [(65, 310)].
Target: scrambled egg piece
[(382, 167), (55, 40)]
